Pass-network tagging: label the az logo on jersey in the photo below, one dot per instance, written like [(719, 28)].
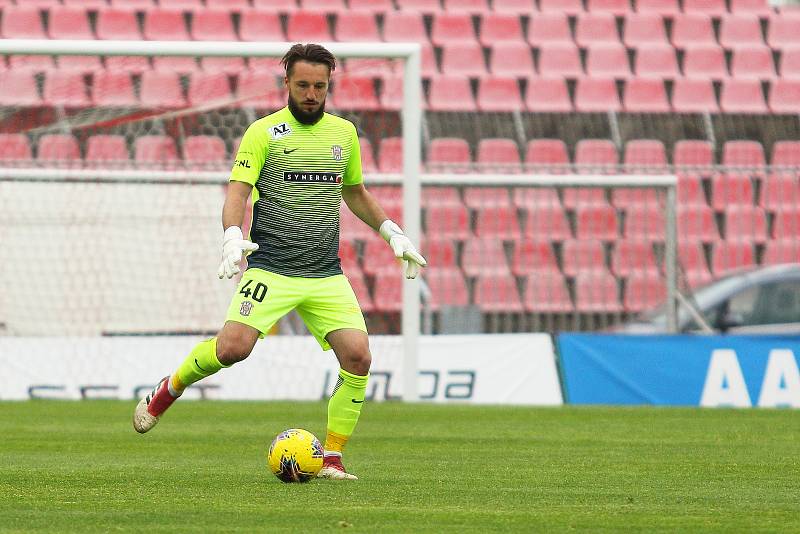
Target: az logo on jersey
[(336, 151), (280, 130)]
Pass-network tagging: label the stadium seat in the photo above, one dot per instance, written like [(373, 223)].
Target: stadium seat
[(82, 64), (642, 155), (784, 96), (644, 221), (399, 26), (69, 23), (133, 5), (547, 155), (261, 26), (782, 251), (440, 252), (421, 6), (593, 28), (368, 164), (327, 7), (644, 29), (752, 7), (497, 221), (234, 6), (690, 189), (790, 62), (582, 256), (375, 67), (665, 8), (160, 89), (113, 88), (352, 227), (353, 26), (260, 90), (787, 223), (783, 30), (549, 28), (497, 294), (546, 293), (484, 257), (527, 198), (165, 25), (546, 221), (499, 93), (631, 256), (371, 6), (618, 8), (359, 285), (308, 26), (107, 151), (450, 93), (753, 62), (511, 58), (704, 61), (746, 222), (209, 87), (515, 7), (213, 25), (390, 155), (119, 24), (353, 92), (479, 197), (449, 154), (22, 22), (498, 156), (18, 88), (568, 7), (596, 293), (547, 95), (595, 221), (596, 95), (743, 154), (731, 188), (452, 28), (693, 153), (476, 7), (643, 291), (739, 31), (709, 7), (463, 59), (15, 147), (693, 263), (645, 95), (559, 60), (180, 4), (696, 223), (448, 221), (388, 293), (205, 151), (780, 191), (731, 255), (694, 95), (440, 196), (90, 5), (594, 156), (533, 257), (447, 288), (656, 61), (155, 150), (607, 60), (378, 258), (500, 28), (692, 29), (786, 153), (175, 64), (65, 89), (391, 93)]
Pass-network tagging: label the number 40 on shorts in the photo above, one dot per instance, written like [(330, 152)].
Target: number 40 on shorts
[(257, 293)]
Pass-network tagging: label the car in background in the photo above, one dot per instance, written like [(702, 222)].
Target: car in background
[(761, 300)]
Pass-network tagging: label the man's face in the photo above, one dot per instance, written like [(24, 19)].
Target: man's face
[(308, 87)]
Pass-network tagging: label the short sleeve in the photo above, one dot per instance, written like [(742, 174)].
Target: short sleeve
[(251, 155), (352, 174)]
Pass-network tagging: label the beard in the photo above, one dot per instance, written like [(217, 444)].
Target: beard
[(306, 117)]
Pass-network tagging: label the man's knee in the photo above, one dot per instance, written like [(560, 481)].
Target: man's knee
[(353, 353), (234, 344)]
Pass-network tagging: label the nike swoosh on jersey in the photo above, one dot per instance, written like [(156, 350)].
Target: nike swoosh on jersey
[(356, 401), (289, 151)]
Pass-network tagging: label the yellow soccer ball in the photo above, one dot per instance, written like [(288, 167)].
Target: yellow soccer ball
[(295, 455)]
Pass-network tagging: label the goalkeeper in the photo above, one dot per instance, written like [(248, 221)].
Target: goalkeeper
[(296, 165)]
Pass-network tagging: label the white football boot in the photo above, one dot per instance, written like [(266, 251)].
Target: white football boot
[(142, 419), (333, 469)]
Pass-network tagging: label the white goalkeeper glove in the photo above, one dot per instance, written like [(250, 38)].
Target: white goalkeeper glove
[(234, 248), (402, 247)]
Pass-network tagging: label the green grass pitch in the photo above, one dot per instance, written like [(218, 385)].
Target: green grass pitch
[(80, 467)]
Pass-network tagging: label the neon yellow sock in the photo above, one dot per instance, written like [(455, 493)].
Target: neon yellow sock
[(202, 362), (344, 407)]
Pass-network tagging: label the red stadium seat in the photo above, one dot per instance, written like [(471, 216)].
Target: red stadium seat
[(352, 227), (451, 93), (511, 58), (787, 223), (595, 222), (213, 25), (498, 155), (463, 59), (165, 25), (546, 221), (234, 6), (497, 294), (544, 154), (597, 293), (497, 221), (324, 6), (368, 164), (82, 64), (155, 150), (440, 252), (107, 151), (645, 95), (371, 6), (447, 221), (449, 154), (388, 292), (592, 28), (261, 26), (644, 29), (656, 61), (376, 67), (731, 255), (560, 60), (308, 26), (515, 7), (59, 150), (227, 65), (65, 89), (582, 256), (643, 291), (92, 5), (740, 30), (390, 154), (753, 7), (743, 154), (355, 92), (18, 88), (607, 60), (568, 7), (644, 222), (692, 29), (205, 151), (779, 192), (404, 26), (440, 196), (161, 90), (709, 7), (119, 24), (447, 287), (452, 28), (618, 8), (693, 263), (499, 94), (549, 28), (391, 94), (533, 257), (22, 22), (378, 257), (113, 88), (484, 257), (746, 222), (209, 87), (690, 190), (782, 251), (784, 97), (355, 26), (783, 30), (421, 6), (180, 4), (133, 5), (547, 95), (176, 64), (528, 198), (753, 61), (499, 28), (69, 23), (693, 153), (480, 197), (645, 155), (727, 189), (786, 153), (476, 7), (546, 293), (360, 288), (15, 147), (668, 8), (704, 61), (790, 62), (696, 223), (694, 95), (260, 90), (596, 156)]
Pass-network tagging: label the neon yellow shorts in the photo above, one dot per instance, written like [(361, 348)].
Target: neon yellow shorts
[(324, 304)]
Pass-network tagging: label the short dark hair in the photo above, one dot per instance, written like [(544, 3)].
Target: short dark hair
[(313, 53)]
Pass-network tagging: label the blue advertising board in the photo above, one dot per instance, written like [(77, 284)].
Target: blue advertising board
[(680, 370)]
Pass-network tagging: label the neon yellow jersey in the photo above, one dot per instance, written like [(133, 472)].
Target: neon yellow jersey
[(297, 171)]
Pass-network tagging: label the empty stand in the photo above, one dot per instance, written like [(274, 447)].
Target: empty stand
[(201, 151), (547, 95), (533, 258), (497, 221), (448, 221), (499, 94), (516, 7), (261, 26), (694, 95), (546, 221), (596, 95), (526, 198), (155, 150), (667, 8), (740, 30), (113, 88), (165, 25), (484, 257), (782, 251), (696, 223), (354, 26), (708, 7), (568, 7), (595, 221), (209, 87), (107, 151), (592, 28), (66, 89), (549, 28), (355, 92), (117, 24), (583, 256), (378, 258), (693, 265), (22, 22), (440, 196), (644, 29), (511, 58), (784, 97), (786, 153), (780, 191), (447, 288), (692, 29), (597, 292), (390, 154), (743, 154), (18, 88), (560, 60), (422, 6), (644, 290), (371, 6), (388, 293), (468, 6), (693, 153), (742, 96), (644, 222), (787, 223), (547, 155), (498, 155), (783, 30), (449, 154), (497, 294), (617, 8), (745, 222), (463, 59), (401, 26), (452, 28), (607, 60), (546, 293), (500, 27), (440, 252), (656, 61), (451, 93), (730, 188), (308, 26), (15, 147), (731, 255), (754, 62), (705, 61), (69, 23), (161, 89), (213, 25)]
